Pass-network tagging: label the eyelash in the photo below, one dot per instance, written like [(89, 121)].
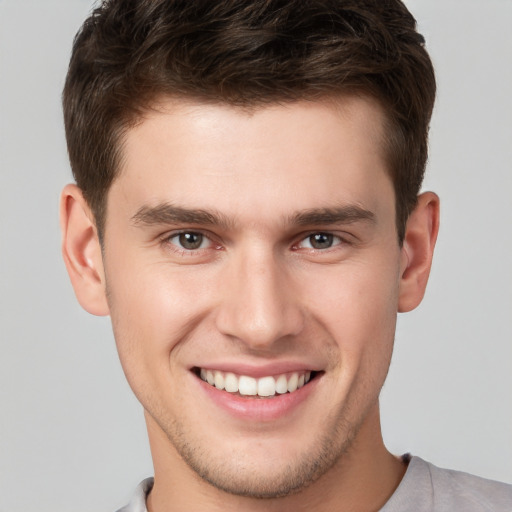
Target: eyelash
[(337, 240), (182, 251)]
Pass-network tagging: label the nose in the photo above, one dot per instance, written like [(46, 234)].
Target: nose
[(259, 305)]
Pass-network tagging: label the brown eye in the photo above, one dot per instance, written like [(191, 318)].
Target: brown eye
[(189, 241), (321, 240)]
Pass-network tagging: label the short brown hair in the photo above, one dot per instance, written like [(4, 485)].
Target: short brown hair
[(128, 53)]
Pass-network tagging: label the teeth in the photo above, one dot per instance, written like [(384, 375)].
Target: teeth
[(249, 386), (219, 380), (292, 382), (266, 386), (281, 384), (231, 382)]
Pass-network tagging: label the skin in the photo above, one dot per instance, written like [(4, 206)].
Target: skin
[(256, 293)]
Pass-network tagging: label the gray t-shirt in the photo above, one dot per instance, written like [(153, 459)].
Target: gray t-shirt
[(424, 488)]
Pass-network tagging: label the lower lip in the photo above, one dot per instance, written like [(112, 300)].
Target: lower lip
[(258, 409)]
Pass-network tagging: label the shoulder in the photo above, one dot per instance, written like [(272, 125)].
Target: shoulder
[(138, 501), (469, 492), (433, 489)]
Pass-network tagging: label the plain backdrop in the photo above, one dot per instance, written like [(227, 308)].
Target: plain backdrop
[(72, 437)]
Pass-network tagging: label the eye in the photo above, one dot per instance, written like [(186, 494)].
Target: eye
[(319, 241), (189, 240)]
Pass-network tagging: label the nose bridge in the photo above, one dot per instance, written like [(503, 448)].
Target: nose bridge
[(258, 306)]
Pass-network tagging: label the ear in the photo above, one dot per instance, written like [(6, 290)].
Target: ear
[(417, 251), (81, 250)]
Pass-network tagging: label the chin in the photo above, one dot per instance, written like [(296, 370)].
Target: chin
[(263, 472)]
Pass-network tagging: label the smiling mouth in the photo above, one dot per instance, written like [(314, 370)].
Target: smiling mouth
[(263, 387)]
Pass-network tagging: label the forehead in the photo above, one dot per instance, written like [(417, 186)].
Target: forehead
[(268, 160)]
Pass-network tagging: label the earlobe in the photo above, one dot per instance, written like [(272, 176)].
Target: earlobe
[(81, 251), (417, 251)]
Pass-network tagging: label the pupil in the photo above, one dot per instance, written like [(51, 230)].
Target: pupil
[(191, 240), (321, 240)]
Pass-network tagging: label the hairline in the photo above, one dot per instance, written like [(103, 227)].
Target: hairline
[(136, 115)]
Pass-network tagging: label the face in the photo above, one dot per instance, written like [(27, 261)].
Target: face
[(252, 271)]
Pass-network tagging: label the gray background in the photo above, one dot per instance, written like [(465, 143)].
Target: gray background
[(72, 436)]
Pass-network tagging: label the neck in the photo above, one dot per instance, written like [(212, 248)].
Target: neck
[(362, 479)]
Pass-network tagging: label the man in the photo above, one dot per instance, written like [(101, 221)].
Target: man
[(247, 212)]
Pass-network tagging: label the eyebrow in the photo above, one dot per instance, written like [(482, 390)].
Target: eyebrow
[(326, 216), (166, 213)]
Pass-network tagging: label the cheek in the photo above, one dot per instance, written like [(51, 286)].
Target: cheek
[(156, 309), (153, 297), (144, 320), (151, 310), (358, 306)]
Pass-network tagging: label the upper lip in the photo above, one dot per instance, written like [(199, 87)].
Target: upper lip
[(258, 371)]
